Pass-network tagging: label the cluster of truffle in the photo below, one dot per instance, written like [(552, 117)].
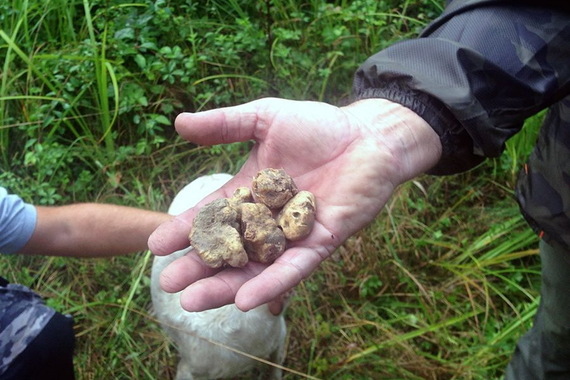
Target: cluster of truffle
[(254, 224)]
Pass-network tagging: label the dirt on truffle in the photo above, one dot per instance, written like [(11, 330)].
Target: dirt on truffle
[(232, 231)]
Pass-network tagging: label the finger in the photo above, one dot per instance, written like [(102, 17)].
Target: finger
[(284, 274), (218, 290), (278, 305), (183, 272), (218, 126), (172, 235)]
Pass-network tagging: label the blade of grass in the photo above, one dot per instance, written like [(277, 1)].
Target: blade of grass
[(412, 334)]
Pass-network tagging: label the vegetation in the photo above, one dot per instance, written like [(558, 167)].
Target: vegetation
[(440, 286)]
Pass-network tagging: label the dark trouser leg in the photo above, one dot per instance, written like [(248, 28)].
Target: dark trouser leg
[(544, 352), (49, 356)]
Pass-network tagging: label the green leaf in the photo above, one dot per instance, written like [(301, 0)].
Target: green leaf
[(140, 60)]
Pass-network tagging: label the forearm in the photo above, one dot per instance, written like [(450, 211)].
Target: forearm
[(92, 230), (476, 76)]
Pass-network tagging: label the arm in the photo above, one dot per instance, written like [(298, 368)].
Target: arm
[(354, 157), (456, 81), (476, 74), (91, 230)]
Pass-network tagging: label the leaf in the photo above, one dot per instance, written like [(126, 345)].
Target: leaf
[(161, 119), (125, 33), (140, 60)]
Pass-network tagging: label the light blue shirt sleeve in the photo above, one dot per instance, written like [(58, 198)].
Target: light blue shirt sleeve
[(17, 222)]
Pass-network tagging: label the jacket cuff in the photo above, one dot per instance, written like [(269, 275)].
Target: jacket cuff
[(457, 146)]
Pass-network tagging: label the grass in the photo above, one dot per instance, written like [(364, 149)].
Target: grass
[(415, 296), (440, 286)]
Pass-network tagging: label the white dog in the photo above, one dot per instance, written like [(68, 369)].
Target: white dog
[(203, 338)]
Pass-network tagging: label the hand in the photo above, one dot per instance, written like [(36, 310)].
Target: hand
[(350, 158)]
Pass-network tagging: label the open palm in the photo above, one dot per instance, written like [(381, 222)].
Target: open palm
[(338, 154)]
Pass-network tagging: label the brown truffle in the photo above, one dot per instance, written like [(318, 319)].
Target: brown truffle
[(216, 237), (241, 195), (234, 230), (297, 217), (273, 188), (263, 239)]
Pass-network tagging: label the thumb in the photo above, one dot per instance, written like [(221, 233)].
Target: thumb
[(219, 126)]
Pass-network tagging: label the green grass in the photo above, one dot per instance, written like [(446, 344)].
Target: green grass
[(440, 286)]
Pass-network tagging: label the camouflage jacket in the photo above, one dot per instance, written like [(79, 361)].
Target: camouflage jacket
[(23, 315), (475, 75)]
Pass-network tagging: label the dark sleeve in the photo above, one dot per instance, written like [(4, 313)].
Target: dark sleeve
[(475, 74)]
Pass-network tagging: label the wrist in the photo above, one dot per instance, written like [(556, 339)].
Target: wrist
[(412, 145)]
